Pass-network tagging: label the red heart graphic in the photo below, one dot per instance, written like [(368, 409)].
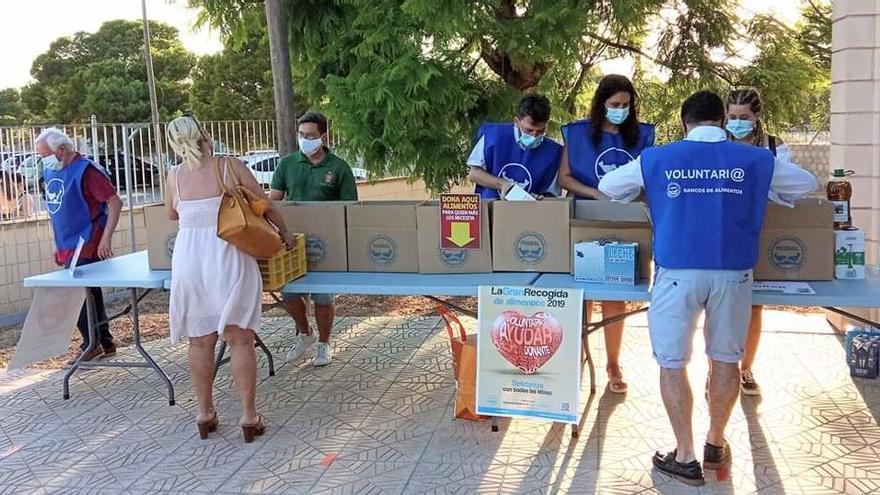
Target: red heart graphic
[(527, 342)]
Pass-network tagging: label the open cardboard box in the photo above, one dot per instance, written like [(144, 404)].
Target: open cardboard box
[(432, 259), (531, 236), (797, 243), (161, 234), (323, 223), (382, 236), (614, 222)]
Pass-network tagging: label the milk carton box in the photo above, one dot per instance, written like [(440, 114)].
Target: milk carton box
[(849, 254), (606, 263)]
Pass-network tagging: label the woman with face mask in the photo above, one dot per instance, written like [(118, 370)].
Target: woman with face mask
[(744, 126), (610, 138)]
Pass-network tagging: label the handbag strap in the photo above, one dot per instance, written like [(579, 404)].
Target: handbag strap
[(222, 181), (451, 318)]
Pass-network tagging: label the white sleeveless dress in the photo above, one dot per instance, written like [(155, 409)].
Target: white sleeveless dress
[(213, 283)]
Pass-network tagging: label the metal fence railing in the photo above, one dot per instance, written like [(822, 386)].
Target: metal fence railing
[(121, 148)]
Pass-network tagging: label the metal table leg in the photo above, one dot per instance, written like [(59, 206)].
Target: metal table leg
[(136, 330), (93, 341), (221, 360), (258, 343)]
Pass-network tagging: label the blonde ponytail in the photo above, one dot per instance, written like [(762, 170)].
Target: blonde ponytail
[(185, 137)]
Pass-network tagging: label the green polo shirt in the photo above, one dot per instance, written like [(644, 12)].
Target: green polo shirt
[(330, 179)]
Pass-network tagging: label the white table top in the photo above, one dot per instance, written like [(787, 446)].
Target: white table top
[(130, 270), (404, 284), (837, 293)]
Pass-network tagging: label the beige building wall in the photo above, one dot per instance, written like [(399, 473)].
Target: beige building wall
[(855, 110)]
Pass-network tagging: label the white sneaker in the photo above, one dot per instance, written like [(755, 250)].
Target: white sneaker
[(323, 354), (302, 344)]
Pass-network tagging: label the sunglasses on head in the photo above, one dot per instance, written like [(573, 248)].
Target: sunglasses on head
[(192, 116)]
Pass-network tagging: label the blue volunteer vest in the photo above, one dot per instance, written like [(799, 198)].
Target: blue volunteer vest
[(707, 203), (533, 169), (590, 162), (68, 210)]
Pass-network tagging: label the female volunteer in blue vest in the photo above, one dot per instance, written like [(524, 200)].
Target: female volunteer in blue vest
[(516, 153), (744, 126), (590, 152)]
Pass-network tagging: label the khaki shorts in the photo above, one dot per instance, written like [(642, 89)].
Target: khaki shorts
[(677, 299)]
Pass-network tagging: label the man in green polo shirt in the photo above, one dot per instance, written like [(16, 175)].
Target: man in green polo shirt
[(312, 174)]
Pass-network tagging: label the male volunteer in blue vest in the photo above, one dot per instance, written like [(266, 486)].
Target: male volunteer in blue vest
[(707, 198), (517, 153), (82, 203)]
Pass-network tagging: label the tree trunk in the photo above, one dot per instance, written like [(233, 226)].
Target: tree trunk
[(282, 81)]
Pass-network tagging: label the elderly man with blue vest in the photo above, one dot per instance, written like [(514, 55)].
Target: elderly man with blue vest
[(82, 204), (707, 198), (517, 153)]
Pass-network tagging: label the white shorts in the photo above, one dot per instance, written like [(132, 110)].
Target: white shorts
[(677, 299)]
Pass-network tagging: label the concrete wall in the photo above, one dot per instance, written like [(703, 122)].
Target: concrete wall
[(813, 157), (855, 110)]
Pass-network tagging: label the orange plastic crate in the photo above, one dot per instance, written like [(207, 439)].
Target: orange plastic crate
[(287, 265)]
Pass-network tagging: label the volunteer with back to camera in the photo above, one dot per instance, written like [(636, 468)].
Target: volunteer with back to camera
[(707, 198), (589, 153)]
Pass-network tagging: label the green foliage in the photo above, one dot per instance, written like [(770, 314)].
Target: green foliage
[(11, 108), (104, 74), (236, 83), (792, 70), (407, 82)]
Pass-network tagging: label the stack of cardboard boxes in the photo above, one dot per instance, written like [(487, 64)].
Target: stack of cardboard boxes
[(527, 236)]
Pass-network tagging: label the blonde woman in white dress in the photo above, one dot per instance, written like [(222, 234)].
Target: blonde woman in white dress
[(216, 289)]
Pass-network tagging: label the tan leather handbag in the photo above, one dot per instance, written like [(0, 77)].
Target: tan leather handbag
[(240, 220)]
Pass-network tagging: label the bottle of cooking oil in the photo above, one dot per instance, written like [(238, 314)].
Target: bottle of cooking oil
[(839, 192)]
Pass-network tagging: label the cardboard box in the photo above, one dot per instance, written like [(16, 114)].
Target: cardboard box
[(606, 262), (615, 222), (531, 236), (849, 254), (432, 259), (382, 236), (797, 243), (161, 233), (323, 223)]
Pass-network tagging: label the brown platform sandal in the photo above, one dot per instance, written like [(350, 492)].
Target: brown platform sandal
[(253, 430), (209, 426), (617, 384)]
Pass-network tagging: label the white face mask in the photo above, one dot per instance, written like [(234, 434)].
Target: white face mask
[(50, 161), (310, 146)]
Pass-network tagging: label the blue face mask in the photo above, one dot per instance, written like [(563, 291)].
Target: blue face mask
[(740, 128), (616, 115), (528, 141)]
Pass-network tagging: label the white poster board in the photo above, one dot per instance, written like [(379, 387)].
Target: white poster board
[(529, 353), (47, 328)]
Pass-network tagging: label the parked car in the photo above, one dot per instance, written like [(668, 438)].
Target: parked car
[(262, 164), (145, 174), (359, 173)]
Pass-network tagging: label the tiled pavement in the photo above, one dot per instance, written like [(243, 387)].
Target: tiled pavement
[(379, 420)]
